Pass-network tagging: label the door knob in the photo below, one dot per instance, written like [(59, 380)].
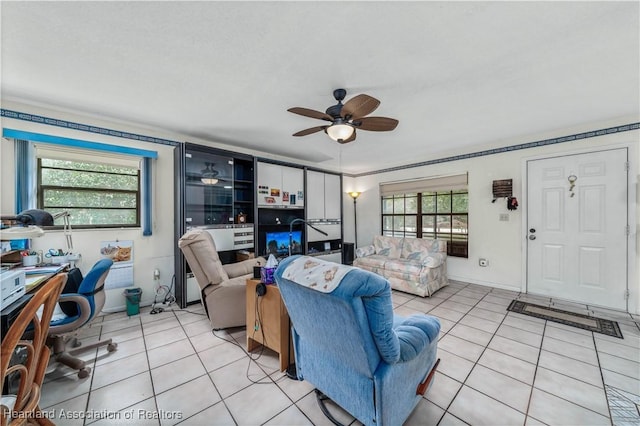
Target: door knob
[(532, 237)]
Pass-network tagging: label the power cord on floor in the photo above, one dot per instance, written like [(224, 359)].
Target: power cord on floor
[(169, 298), (251, 357)]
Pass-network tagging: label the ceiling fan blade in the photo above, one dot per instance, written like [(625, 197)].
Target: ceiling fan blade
[(310, 113), (359, 106), (306, 132), (376, 124), (350, 139)]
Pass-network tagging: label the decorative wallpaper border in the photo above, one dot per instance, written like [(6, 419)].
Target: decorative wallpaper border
[(527, 145), (84, 127), (110, 132)]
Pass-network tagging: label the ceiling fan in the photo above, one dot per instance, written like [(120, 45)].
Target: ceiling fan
[(346, 118)]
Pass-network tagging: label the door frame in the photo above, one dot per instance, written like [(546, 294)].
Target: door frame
[(633, 302)]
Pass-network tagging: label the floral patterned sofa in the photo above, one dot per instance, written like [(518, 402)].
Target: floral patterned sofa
[(412, 265)]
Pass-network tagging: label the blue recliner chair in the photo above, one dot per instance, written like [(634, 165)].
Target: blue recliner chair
[(80, 307), (349, 344)]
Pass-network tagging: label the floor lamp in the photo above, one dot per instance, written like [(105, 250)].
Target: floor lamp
[(355, 196)]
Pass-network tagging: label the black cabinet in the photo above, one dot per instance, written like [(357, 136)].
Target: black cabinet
[(209, 189), (243, 198), (219, 187)]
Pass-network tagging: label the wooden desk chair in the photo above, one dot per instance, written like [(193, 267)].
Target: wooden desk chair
[(23, 407)]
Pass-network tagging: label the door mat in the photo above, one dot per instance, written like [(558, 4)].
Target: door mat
[(585, 322)]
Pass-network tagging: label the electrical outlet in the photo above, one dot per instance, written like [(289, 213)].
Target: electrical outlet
[(156, 274), (483, 262), (504, 217)]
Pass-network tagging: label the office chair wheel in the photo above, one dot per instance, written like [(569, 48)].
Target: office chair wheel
[(112, 347), (84, 373)]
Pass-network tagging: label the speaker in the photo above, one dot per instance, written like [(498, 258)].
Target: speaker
[(261, 289), (348, 253)]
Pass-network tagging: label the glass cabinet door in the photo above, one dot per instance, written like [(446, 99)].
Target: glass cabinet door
[(209, 189)]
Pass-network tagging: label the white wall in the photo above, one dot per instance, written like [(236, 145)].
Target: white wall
[(500, 242), (151, 252), (349, 184)]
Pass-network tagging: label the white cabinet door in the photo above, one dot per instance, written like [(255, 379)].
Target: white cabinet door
[(333, 232), (324, 195), (315, 195), (222, 237), (280, 185), (269, 184), (332, 197), (293, 185)]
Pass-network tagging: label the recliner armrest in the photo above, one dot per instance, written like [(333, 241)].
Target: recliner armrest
[(415, 333), (244, 267)]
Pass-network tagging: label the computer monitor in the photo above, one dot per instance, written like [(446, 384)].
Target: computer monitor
[(277, 243)]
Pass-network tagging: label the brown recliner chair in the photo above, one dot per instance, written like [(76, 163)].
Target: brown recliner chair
[(222, 287)]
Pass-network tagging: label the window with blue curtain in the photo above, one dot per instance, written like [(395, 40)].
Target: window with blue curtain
[(100, 185)]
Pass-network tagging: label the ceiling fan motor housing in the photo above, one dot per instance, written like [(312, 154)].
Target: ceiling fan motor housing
[(335, 110)]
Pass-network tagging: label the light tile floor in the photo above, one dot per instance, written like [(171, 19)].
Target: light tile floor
[(497, 368)]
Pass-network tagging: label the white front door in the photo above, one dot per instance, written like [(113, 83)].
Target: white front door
[(577, 227)]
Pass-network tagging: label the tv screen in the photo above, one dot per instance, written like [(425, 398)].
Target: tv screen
[(277, 243)]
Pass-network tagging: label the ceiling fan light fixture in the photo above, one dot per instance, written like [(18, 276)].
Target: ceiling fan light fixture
[(209, 181), (340, 132), (209, 175)]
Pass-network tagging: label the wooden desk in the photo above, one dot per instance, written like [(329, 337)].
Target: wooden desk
[(269, 324), (35, 277)]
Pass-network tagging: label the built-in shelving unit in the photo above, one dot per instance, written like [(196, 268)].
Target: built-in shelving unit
[(248, 205), (280, 199), (243, 190), (219, 197)]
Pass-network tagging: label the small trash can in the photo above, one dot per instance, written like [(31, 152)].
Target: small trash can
[(133, 296)]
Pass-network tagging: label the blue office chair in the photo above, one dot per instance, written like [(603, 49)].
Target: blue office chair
[(349, 344), (80, 306)]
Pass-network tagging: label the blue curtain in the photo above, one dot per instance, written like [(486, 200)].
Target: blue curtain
[(25, 173), (146, 196)]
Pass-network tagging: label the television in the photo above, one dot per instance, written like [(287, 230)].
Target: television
[(277, 243)]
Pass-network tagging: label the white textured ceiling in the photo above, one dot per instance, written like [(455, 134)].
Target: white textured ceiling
[(455, 74)]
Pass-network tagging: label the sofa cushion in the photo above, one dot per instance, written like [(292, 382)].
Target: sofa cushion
[(365, 251), (373, 261), (419, 249), (434, 260), (390, 247), (405, 266)]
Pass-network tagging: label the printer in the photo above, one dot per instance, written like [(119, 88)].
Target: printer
[(13, 287)]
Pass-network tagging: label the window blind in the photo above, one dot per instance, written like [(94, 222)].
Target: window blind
[(57, 152), (433, 184)]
